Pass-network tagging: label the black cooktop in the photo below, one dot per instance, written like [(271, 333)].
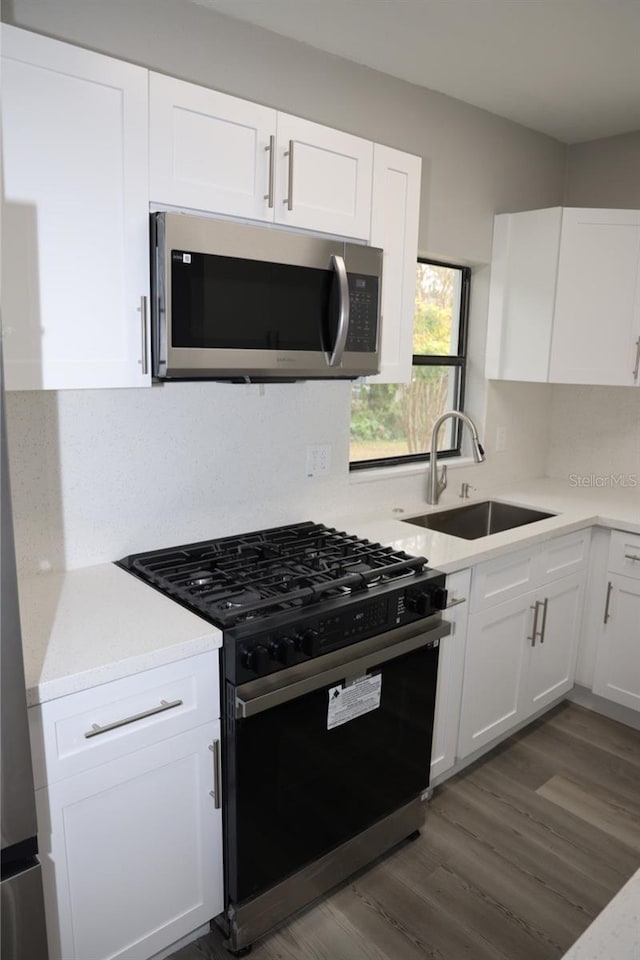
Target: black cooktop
[(235, 579)]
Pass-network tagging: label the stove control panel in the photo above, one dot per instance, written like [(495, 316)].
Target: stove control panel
[(256, 651)]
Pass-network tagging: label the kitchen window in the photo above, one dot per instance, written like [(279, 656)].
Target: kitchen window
[(392, 422)]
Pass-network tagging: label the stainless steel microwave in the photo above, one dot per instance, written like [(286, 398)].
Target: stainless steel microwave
[(235, 301)]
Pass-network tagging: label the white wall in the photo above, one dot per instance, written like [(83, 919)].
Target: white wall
[(96, 474)]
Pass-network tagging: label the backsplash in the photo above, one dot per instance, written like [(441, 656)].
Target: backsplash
[(594, 433), (97, 474)]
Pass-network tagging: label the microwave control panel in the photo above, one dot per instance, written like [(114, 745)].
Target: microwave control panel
[(363, 313)]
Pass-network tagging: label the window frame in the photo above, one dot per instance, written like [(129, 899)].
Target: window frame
[(458, 360)]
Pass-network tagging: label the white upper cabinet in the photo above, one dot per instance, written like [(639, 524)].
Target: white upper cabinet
[(597, 319), (524, 265), (209, 151), (75, 271), (565, 297), (395, 214), (322, 178), (220, 154)]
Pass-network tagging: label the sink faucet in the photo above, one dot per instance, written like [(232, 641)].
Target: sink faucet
[(438, 483)]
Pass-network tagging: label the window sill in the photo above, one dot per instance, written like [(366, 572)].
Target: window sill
[(397, 470)]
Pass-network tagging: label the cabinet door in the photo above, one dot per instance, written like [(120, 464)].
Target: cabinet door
[(450, 673), (395, 214), (131, 851), (209, 151), (323, 178), (75, 261), (552, 660), (496, 653), (524, 268), (617, 672), (597, 315)]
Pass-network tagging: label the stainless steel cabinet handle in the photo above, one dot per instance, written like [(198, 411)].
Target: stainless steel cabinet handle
[(335, 357), (607, 606), (534, 632), (632, 556), (271, 150), (143, 322), (455, 601), (215, 793), (289, 153), (544, 619), (637, 366), (96, 729)]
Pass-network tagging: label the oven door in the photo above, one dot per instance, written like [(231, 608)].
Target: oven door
[(323, 750)]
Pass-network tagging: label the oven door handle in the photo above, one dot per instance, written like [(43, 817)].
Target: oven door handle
[(249, 706)]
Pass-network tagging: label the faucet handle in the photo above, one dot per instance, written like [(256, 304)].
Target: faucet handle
[(442, 479)]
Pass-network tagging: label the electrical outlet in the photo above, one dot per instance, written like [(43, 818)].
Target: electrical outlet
[(501, 439), (318, 459)]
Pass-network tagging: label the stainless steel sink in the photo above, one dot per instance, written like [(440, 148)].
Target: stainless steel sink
[(476, 520)]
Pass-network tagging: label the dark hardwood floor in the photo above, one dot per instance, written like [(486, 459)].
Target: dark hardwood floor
[(518, 855)]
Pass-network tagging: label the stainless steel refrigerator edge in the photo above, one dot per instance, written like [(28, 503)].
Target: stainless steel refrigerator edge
[(23, 923)]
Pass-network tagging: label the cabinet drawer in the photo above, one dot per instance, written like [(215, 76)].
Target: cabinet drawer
[(624, 554), (86, 729), (562, 556), (502, 579)]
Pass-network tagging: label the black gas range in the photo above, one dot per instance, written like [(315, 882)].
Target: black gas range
[(328, 685), (291, 593)]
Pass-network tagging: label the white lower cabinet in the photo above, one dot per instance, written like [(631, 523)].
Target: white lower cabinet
[(617, 669), (617, 672), (450, 672), (131, 851), (129, 818), (552, 662), (496, 652), (512, 672), (522, 637)]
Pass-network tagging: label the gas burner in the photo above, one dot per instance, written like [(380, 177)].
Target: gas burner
[(271, 572), (202, 578), (244, 598)]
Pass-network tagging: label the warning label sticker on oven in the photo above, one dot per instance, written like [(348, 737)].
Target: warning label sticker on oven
[(353, 700)]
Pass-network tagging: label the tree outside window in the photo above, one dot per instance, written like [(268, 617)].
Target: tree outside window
[(392, 423)]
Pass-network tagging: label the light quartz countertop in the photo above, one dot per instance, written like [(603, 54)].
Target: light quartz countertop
[(575, 509), (615, 932), (85, 627)]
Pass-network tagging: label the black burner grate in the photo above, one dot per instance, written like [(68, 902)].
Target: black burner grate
[(239, 578)]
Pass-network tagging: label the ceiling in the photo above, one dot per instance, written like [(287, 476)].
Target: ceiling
[(568, 68)]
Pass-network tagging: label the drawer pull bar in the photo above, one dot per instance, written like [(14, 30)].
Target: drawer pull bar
[(96, 729), (632, 556), (215, 793), (607, 606), (534, 631), (289, 199), (271, 151), (455, 601), (543, 628)]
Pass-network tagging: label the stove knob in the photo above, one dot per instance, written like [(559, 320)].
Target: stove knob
[(256, 659), (420, 603), (439, 597), (308, 642), (284, 651)]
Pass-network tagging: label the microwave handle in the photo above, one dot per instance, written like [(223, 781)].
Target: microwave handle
[(334, 359)]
